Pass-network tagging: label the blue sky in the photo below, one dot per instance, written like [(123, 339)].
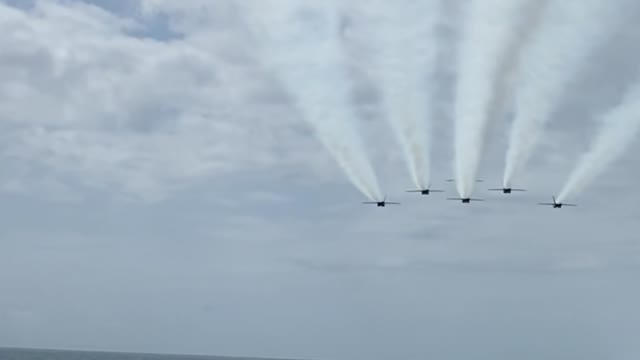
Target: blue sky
[(159, 192)]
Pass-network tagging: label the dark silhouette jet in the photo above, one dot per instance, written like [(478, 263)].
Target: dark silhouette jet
[(556, 204), (425, 191), (382, 203), (465, 200), (507, 190)]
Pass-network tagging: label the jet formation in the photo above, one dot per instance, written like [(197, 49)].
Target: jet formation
[(466, 200)]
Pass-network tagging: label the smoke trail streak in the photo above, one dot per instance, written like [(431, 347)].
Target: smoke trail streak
[(485, 37), (618, 130), (532, 14), (553, 59), (402, 35), (302, 43)]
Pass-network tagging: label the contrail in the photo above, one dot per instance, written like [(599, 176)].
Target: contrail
[(555, 56), (619, 129), (401, 34), (486, 37), (303, 48)]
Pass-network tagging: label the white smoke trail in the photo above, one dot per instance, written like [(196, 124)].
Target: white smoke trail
[(619, 129), (553, 59), (532, 12), (485, 37), (302, 45), (402, 37)]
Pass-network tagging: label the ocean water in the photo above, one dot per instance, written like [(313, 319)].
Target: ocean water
[(33, 354)]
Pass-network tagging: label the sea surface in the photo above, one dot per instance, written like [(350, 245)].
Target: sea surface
[(36, 354)]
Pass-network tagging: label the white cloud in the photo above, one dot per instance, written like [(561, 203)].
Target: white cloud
[(83, 95)]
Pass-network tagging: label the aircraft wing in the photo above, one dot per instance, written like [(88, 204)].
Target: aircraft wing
[(414, 190), (436, 190), (569, 205), (496, 189), (546, 204), (518, 190), (369, 202), (476, 199), (392, 203)]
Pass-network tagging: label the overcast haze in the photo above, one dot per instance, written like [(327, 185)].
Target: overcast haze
[(160, 193)]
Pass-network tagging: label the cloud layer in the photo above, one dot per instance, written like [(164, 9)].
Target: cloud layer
[(160, 192)]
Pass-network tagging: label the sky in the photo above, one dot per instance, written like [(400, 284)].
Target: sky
[(159, 192)]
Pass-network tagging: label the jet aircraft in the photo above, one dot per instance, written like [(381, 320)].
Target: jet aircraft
[(382, 203), (425, 191), (507, 190), (465, 200), (556, 204)]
